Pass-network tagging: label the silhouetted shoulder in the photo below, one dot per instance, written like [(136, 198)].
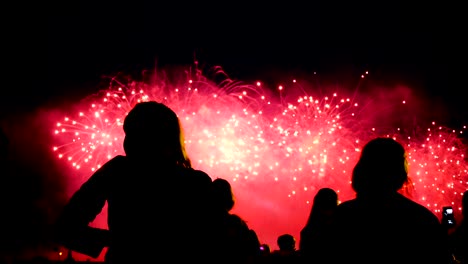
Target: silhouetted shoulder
[(116, 164), (194, 177), (201, 175), (110, 170), (397, 206), (236, 219), (419, 210)]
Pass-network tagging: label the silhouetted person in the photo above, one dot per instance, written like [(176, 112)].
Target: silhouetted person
[(156, 200), (381, 225), (235, 241), (458, 239), (286, 243), (317, 228), (287, 252)]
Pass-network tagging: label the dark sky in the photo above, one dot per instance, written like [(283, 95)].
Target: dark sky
[(61, 51), (63, 47)]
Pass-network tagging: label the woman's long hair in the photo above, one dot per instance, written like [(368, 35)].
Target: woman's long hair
[(325, 200), (153, 131)]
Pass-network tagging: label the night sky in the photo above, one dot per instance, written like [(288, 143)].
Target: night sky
[(62, 47), (59, 52)]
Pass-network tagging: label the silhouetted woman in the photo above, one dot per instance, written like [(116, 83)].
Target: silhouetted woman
[(317, 228), (381, 225), (156, 201), (235, 241)]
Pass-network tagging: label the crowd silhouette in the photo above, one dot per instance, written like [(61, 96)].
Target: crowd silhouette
[(158, 204)]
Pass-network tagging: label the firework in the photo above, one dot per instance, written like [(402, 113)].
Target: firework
[(277, 150)]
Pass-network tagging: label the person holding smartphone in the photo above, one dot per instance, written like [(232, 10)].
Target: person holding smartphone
[(448, 218), (458, 239)]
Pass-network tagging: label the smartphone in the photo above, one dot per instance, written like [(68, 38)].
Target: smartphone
[(448, 218)]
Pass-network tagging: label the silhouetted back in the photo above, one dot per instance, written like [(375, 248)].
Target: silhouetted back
[(316, 231), (381, 225), (156, 201)]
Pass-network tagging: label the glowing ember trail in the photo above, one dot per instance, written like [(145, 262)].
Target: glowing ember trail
[(277, 151)]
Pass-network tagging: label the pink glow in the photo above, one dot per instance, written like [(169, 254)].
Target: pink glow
[(277, 149)]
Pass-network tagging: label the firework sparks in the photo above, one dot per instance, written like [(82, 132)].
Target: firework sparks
[(273, 150)]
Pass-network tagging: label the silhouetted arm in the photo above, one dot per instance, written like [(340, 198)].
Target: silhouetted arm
[(72, 226)]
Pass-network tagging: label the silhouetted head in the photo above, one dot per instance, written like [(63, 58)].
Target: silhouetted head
[(286, 242), (323, 207), (153, 133), (265, 249), (381, 169), (223, 195), (325, 199)]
